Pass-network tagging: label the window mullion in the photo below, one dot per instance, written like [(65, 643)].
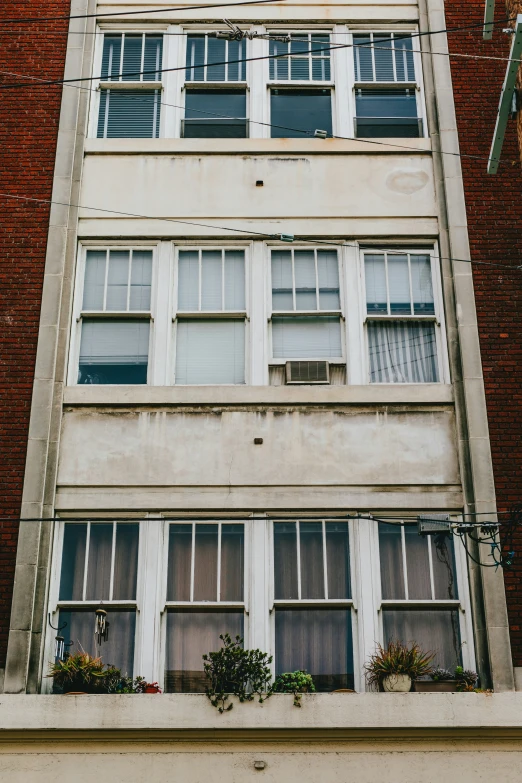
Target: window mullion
[(387, 284), (372, 48), (412, 311), (142, 59), (325, 563), (223, 277), (205, 68), (105, 282), (120, 77), (86, 562), (298, 541), (317, 300), (200, 277), (113, 557), (192, 561), (129, 278), (430, 559), (293, 282), (218, 586), (404, 563), (394, 64)]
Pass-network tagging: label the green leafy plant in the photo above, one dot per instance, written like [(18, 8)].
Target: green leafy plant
[(441, 675), (79, 672), (397, 658), (297, 682), (466, 679), (232, 670)]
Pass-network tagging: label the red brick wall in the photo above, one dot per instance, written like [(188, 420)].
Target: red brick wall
[(494, 210), (28, 128)]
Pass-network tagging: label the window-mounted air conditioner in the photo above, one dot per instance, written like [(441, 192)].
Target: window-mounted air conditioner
[(308, 372)]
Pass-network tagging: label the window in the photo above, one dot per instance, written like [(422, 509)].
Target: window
[(205, 597), (312, 602), (401, 323), (127, 108), (381, 60), (420, 599), (210, 329), (100, 563), (114, 350), (306, 309), (300, 111), (215, 113)]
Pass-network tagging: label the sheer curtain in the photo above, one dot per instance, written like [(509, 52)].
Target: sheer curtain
[(435, 630), (402, 352), (117, 651)]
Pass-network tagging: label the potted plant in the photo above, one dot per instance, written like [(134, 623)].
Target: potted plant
[(466, 679), (394, 668), (80, 673), (151, 687), (297, 682), (442, 681), (232, 670)]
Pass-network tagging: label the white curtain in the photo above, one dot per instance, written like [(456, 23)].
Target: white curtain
[(114, 342), (210, 351), (402, 352)]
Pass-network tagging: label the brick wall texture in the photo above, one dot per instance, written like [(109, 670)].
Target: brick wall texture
[(28, 128), (494, 211)]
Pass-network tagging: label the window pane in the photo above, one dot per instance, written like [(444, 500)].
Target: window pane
[(317, 640), (236, 70), (234, 280), (285, 560), (195, 57), (210, 352), (118, 650), (211, 280), (188, 280), (190, 635), (375, 276), (111, 56), (328, 274), (338, 560), (205, 563), (126, 562), (306, 338), (434, 630), (232, 562), (305, 282), (387, 113), (99, 565), (300, 113), (180, 561), (141, 279), (383, 58), (216, 53), (215, 114), (129, 114), (444, 570), (279, 66), (282, 285), (392, 566), (117, 280), (94, 284), (402, 352), (404, 58), (312, 566), (399, 285), (417, 564), (114, 352), (362, 53), (132, 58), (73, 562), (152, 61), (421, 285)]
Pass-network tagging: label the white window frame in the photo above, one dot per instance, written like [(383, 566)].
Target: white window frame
[(437, 319)]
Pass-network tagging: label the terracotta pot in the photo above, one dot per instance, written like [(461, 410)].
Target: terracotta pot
[(432, 686), (75, 693), (152, 689), (397, 683)]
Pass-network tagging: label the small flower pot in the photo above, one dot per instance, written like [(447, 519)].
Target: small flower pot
[(432, 686), (397, 683), (152, 689)]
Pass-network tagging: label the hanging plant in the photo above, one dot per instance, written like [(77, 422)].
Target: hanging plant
[(297, 682), (232, 670)]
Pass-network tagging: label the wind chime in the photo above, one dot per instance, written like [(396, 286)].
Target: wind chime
[(61, 653), (101, 626)]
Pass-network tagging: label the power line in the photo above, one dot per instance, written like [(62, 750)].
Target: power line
[(250, 232)]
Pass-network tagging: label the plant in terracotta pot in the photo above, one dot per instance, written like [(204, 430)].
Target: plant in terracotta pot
[(393, 668), (297, 682), (79, 673)]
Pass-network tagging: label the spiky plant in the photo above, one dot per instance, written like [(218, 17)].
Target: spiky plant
[(398, 658)]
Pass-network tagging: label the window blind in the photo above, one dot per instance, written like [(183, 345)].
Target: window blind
[(117, 280), (309, 337), (129, 114), (136, 48), (114, 342), (383, 57), (210, 352), (307, 58), (211, 59)]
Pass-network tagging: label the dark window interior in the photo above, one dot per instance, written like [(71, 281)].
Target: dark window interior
[(215, 114), (300, 112)]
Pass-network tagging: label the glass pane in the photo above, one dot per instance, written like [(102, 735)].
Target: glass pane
[(312, 566), (216, 53), (279, 66), (236, 69), (318, 641), (190, 635), (305, 282), (402, 352), (118, 650), (234, 280), (99, 565), (282, 285), (73, 562), (132, 58), (141, 279), (152, 61), (211, 280), (300, 112), (188, 280), (195, 57), (210, 352), (117, 280), (114, 352), (232, 562), (300, 67), (285, 560), (126, 562), (383, 58), (328, 274), (399, 285), (444, 569), (307, 337), (392, 567), (417, 564), (435, 630), (375, 277), (94, 284), (338, 560), (387, 113), (422, 288), (205, 563), (111, 56), (216, 114), (129, 114), (180, 562), (362, 55), (404, 58)]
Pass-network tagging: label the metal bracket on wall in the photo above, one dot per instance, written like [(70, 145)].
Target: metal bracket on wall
[(506, 98)]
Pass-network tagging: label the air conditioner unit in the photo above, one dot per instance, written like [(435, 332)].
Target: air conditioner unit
[(308, 372)]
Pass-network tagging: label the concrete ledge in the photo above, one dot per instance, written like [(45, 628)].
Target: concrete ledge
[(414, 394), (336, 714)]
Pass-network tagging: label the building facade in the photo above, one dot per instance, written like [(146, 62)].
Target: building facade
[(258, 364)]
